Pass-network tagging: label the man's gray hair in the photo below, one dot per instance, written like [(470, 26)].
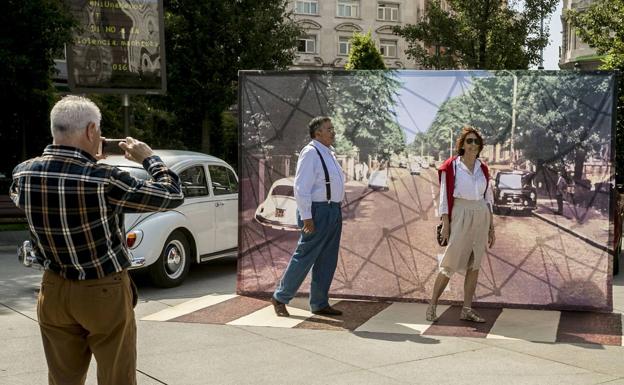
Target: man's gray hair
[(316, 123), (72, 114)]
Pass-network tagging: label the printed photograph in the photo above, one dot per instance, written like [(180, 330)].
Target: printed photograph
[(547, 142)]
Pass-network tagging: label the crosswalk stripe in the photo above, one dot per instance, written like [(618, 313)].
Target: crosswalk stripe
[(528, 325), (266, 316), (400, 318), (188, 307), (403, 318), (622, 328)]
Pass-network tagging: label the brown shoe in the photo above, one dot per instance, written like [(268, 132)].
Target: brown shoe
[(328, 310), (280, 308)]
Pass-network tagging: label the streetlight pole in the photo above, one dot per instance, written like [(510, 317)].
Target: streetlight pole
[(451, 143), (513, 119)]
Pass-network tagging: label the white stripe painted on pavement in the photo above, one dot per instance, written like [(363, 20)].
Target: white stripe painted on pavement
[(622, 315), (266, 316), (188, 307), (401, 318), (528, 325)]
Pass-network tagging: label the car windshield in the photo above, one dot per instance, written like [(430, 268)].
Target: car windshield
[(285, 191), (510, 181), (136, 172)]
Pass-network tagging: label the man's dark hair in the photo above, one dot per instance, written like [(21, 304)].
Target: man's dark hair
[(316, 123)]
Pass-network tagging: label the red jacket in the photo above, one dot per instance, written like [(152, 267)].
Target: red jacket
[(447, 167)]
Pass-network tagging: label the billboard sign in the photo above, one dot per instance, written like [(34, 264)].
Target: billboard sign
[(118, 47)]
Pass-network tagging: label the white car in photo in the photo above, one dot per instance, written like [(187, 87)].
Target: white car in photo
[(279, 209), (204, 227), (379, 179), (415, 168)]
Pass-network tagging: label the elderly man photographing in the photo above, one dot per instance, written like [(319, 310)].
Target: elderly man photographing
[(319, 189), (74, 208)]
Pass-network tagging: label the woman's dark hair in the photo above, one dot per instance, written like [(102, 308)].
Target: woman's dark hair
[(462, 138), (316, 123)]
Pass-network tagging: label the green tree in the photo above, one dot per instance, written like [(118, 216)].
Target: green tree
[(207, 43), (558, 118), (363, 54), (32, 31), (600, 25), (478, 34), (362, 106)]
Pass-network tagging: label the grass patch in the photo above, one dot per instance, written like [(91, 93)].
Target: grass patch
[(13, 226)]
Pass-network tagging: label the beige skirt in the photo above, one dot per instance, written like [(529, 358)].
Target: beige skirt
[(467, 243)]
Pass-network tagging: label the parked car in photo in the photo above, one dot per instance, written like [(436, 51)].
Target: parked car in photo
[(204, 227), (415, 168), (279, 209), (379, 180), (514, 191)]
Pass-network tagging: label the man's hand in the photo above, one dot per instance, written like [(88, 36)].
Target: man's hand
[(136, 150), (308, 226), (446, 228)]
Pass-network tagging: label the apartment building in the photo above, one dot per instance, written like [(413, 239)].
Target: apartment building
[(329, 24), (574, 53)]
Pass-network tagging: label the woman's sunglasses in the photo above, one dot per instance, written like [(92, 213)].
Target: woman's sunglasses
[(473, 140)]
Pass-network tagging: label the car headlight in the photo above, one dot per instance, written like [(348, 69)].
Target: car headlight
[(532, 196), (133, 238)]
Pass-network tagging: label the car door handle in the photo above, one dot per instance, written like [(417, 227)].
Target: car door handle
[(219, 204)]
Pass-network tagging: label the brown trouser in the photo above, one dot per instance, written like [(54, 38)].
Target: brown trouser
[(78, 318)]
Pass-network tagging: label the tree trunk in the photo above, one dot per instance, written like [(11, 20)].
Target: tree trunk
[(579, 163), (205, 137), (483, 35)]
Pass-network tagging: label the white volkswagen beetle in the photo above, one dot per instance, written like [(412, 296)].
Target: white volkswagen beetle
[(204, 227), (279, 209)]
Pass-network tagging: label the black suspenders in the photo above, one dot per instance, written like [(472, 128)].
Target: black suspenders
[(327, 183)]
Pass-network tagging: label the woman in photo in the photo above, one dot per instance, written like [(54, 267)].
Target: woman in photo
[(466, 213)]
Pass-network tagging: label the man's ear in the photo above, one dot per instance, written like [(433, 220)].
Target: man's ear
[(91, 131)]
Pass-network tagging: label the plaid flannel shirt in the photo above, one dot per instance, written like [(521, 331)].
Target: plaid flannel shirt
[(75, 207)]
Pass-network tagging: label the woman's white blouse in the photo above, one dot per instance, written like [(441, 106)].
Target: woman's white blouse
[(470, 186)]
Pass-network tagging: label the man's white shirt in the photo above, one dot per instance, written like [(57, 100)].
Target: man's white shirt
[(310, 178)]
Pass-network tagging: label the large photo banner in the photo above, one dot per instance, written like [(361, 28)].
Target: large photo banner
[(548, 142)]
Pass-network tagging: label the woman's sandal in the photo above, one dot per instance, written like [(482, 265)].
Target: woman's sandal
[(467, 314), (431, 313)]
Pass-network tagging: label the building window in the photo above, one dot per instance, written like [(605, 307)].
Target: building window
[(307, 44), (344, 45), (307, 7), (388, 48), (388, 12), (348, 8)]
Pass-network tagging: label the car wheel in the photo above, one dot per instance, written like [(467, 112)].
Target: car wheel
[(173, 265)]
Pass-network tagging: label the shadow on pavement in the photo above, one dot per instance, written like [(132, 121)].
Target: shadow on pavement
[(396, 337), (217, 276)]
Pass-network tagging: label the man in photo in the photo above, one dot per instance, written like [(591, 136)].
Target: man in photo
[(319, 189)]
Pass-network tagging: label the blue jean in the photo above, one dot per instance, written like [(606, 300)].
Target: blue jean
[(317, 251)]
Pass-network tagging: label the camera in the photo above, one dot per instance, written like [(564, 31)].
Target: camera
[(26, 255), (111, 147)]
